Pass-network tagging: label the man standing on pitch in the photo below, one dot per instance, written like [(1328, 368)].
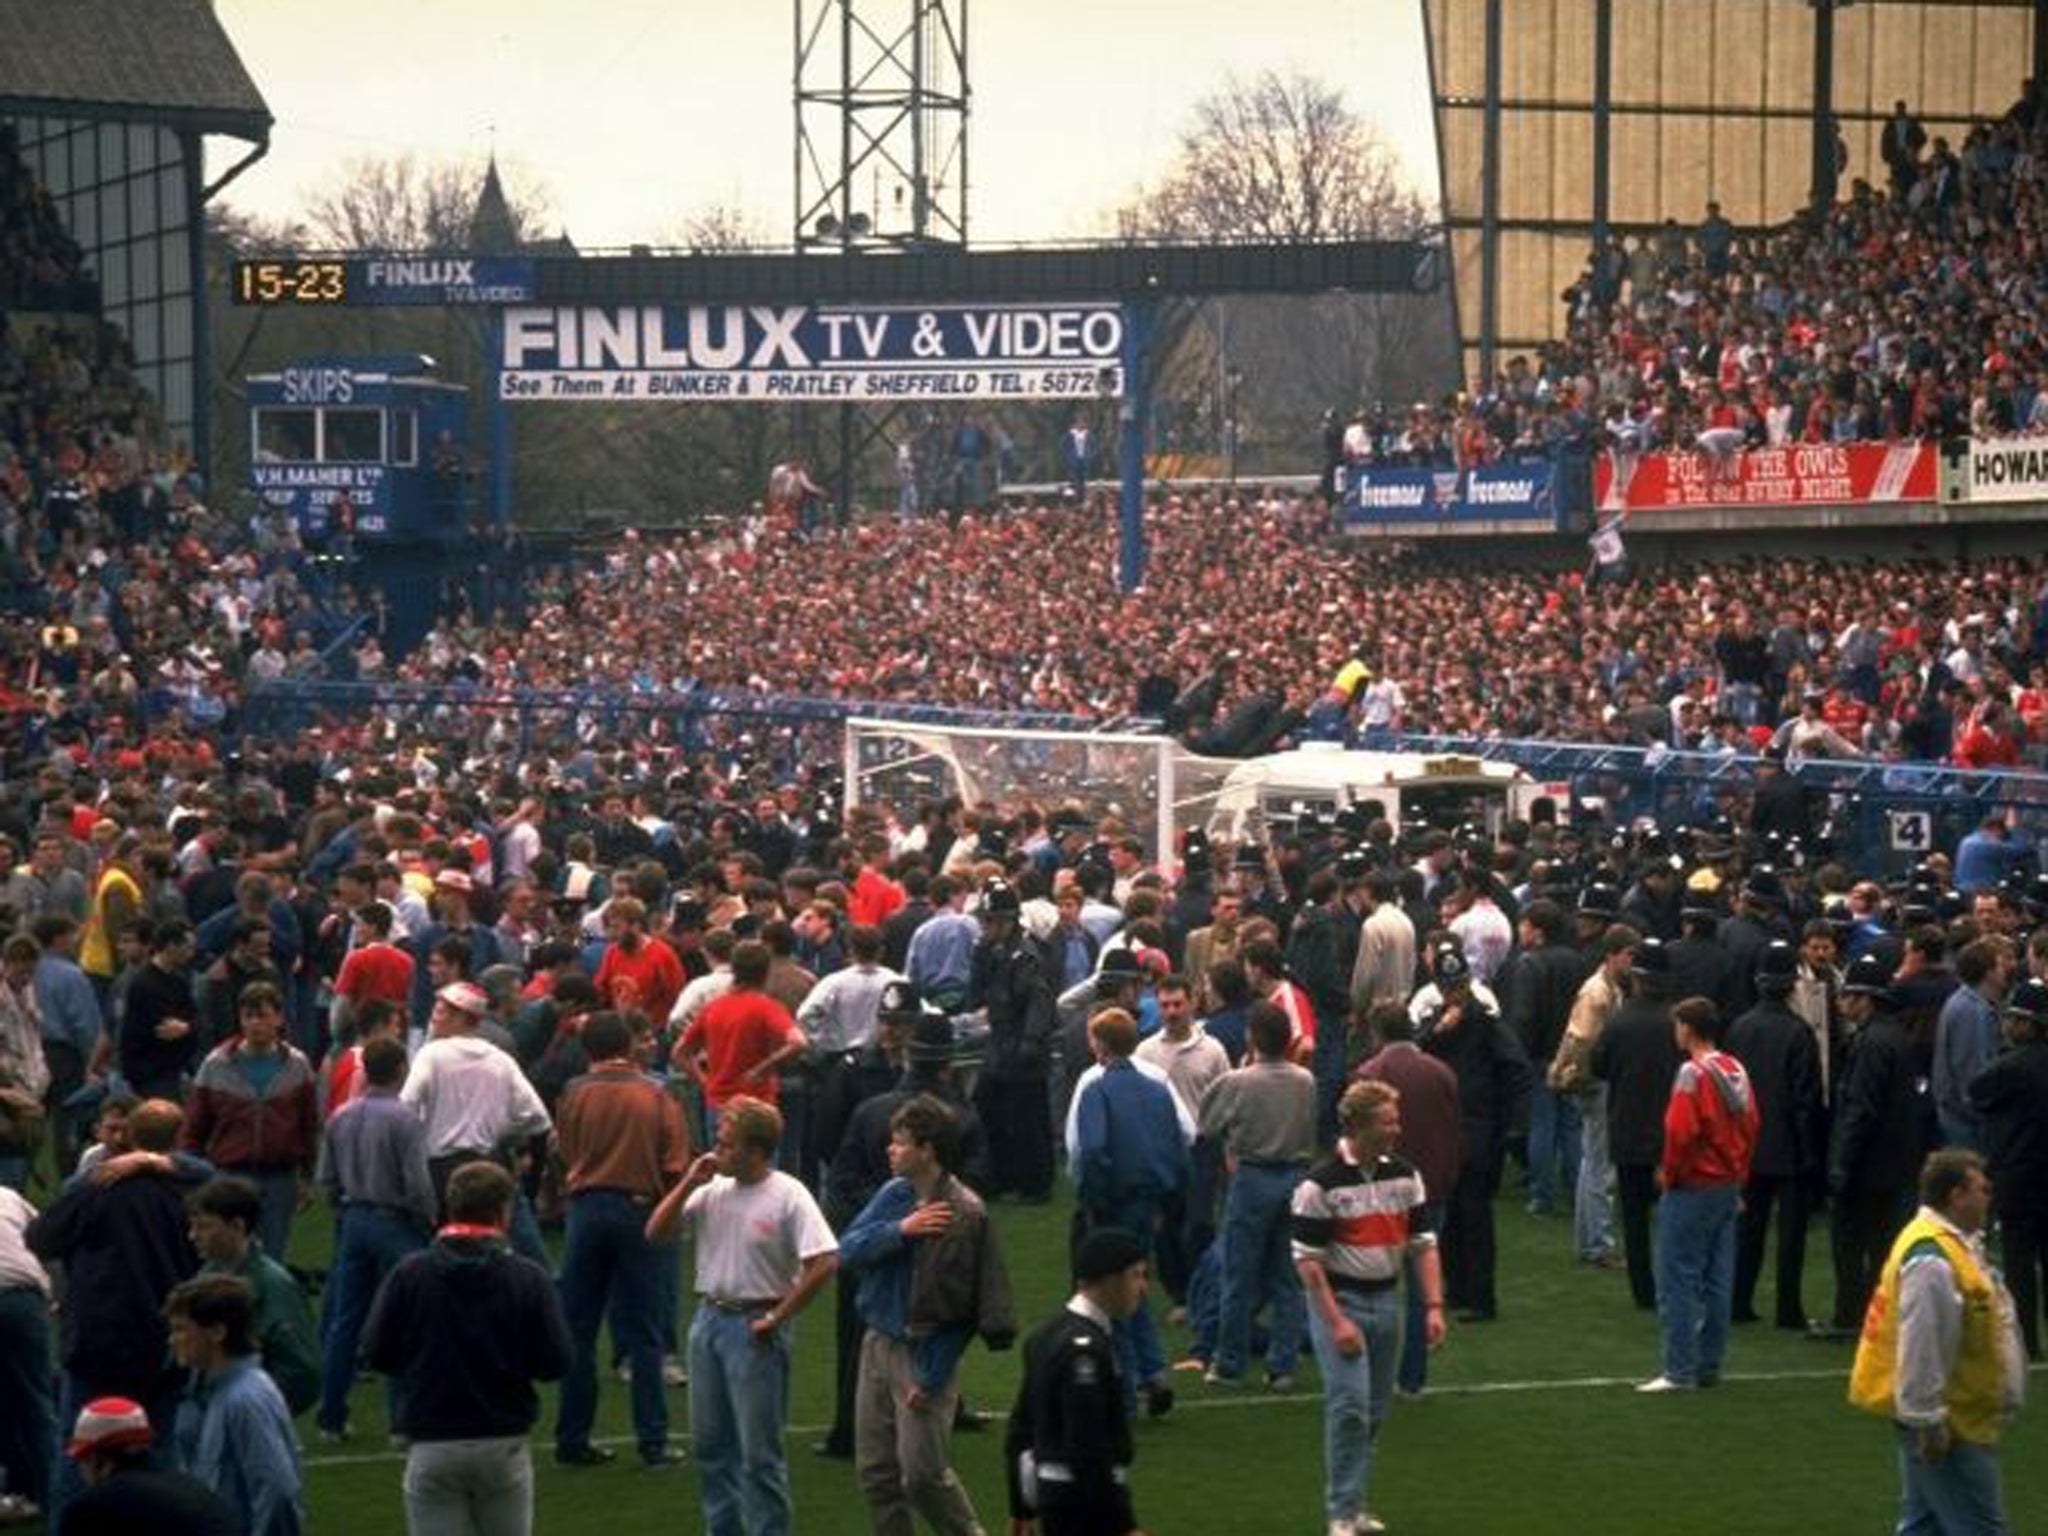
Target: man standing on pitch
[(1940, 1355), (1356, 1217), (930, 1277), (764, 1249)]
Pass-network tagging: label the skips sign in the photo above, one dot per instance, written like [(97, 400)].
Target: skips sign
[(737, 352)]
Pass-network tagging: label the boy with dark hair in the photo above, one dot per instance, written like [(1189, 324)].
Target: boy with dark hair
[(234, 1432)]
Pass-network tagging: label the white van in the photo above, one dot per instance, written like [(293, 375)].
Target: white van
[(1264, 797)]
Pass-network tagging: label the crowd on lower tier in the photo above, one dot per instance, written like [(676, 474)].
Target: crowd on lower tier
[(663, 1002)]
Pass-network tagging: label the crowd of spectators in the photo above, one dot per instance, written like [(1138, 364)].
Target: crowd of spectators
[(41, 265), (1022, 611), (1905, 311)]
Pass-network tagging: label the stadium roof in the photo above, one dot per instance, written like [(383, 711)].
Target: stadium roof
[(168, 61)]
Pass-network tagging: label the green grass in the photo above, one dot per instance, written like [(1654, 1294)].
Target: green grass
[(1529, 1427)]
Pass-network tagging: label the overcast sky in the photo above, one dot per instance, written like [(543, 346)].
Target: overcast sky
[(633, 115)]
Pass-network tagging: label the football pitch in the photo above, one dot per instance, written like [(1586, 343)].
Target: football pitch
[(1528, 1428)]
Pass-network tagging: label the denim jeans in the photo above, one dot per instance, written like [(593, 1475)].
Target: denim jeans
[(1259, 1265), (279, 1189), (469, 1488), (1958, 1495), (1553, 1147), (1138, 1349), (1355, 1394), (27, 1413), (1414, 1374), (369, 1241), (607, 1259), (1696, 1277), (14, 1170), (1592, 1205), (739, 1400)]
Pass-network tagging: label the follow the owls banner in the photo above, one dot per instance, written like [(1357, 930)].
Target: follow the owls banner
[(787, 353)]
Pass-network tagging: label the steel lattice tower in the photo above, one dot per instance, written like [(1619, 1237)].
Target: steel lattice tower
[(881, 123)]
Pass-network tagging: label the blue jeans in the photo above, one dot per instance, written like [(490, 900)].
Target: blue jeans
[(1696, 1277), (1592, 1204), (279, 1189), (1138, 1349), (27, 1414), (739, 1400), (14, 1169), (607, 1259), (1553, 1147), (1955, 1496), (1355, 1394), (1258, 1265), (369, 1241), (1414, 1374)]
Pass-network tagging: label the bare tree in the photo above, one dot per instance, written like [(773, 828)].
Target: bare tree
[(405, 204), (1284, 158), (1279, 158)]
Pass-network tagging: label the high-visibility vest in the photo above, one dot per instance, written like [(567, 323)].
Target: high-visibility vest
[(96, 955), (1976, 1387)]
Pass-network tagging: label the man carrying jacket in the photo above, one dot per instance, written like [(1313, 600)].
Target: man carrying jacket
[(930, 1276)]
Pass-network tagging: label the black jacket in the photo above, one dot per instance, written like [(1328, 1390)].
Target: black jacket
[(1537, 988), (1316, 960), (1702, 968), (1782, 1058), (2012, 1096), (1494, 1079), (124, 1246), (1637, 1057), (1875, 1141), (1070, 1414), (465, 1328), (1745, 939), (1011, 984)]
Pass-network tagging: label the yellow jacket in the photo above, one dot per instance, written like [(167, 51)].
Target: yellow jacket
[(1978, 1389), (96, 956)]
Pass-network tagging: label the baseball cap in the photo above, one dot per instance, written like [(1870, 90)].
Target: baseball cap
[(466, 996)]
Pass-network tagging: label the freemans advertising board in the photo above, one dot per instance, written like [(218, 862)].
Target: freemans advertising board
[(1798, 474), (812, 352), (1501, 495), (2006, 469)]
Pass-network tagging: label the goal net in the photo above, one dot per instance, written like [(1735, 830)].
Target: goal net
[(1151, 784)]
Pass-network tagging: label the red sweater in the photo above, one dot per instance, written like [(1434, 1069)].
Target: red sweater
[(1709, 1123)]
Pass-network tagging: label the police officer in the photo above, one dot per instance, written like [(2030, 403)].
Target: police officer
[(1068, 1450), (1777, 1050), (1011, 1092)]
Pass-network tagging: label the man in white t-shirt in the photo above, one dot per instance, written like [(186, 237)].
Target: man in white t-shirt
[(764, 1249)]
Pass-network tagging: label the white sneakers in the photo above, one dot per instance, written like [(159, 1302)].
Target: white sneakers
[(1663, 1384), (1358, 1525)]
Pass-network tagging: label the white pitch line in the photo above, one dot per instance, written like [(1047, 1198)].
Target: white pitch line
[(1249, 1398)]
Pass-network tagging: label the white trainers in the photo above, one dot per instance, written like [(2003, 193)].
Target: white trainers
[(1658, 1384), (1342, 1528), (1369, 1525)]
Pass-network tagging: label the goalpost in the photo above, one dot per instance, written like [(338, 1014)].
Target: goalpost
[(1150, 783)]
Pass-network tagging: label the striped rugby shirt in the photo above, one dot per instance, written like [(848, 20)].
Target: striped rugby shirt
[(1358, 1223)]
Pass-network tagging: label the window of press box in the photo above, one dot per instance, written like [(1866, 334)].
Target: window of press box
[(354, 436), (286, 436)]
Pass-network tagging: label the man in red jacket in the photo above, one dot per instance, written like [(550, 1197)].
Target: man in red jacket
[(253, 1112), (1710, 1127)]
